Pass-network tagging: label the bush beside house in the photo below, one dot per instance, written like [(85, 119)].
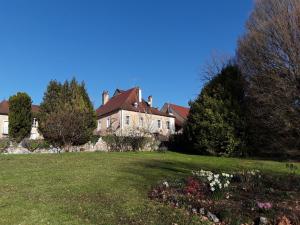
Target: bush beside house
[(33, 145), (20, 116), (129, 143), (4, 144), (66, 115), (216, 124)]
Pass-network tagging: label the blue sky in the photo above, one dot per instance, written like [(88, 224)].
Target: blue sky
[(159, 45)]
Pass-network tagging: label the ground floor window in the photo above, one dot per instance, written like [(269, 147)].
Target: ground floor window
[(5, 127), (127, 121)]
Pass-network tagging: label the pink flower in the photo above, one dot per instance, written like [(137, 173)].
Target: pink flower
[(264, 205)]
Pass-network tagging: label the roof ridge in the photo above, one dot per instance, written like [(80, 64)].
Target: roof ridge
[(178, 106), (131, 90), (125, 101)]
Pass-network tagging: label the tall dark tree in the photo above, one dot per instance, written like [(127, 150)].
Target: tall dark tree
[(67, 115), (51, 96), (269, 57), (20, 116), (215, 124)]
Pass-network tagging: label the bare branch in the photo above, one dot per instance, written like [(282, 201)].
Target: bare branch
[(215, 65)]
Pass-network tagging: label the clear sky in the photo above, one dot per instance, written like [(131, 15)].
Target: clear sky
[(159, 45)]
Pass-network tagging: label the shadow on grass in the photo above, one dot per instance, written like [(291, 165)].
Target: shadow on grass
[(289, 157), (151, 171), (154, 170)]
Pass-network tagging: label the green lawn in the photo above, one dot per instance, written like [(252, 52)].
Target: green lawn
[(100, 188)]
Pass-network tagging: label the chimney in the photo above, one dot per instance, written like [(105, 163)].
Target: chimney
[(169, 111), (150, 100), (105, 97), (140, 94)]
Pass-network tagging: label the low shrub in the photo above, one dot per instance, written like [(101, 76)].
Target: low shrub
[(113, 142), (32, 145), (94, 139), (138, 143), (126, 143), (178, 143), (4, 144)]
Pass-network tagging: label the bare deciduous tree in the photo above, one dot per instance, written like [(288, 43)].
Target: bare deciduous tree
[(269, 56), (214, 65)]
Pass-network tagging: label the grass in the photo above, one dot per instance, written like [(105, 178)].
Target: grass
[(101, 188)]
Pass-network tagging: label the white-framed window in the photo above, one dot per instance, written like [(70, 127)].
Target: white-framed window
[(141, 121), (168, 125), (158, 124), (108, 123), (127, 120), (5, 127)]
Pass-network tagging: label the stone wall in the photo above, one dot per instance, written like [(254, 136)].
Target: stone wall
[(101, 145), (89, 147)]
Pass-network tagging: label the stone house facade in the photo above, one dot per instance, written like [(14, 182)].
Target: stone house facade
[(127, 112), (4, 121)]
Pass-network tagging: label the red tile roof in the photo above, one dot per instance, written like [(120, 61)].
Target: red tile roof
[(4, 108), (35, 108), (182, 111), (125, 100)]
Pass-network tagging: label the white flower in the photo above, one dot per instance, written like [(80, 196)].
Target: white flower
[(212, 189), (166, 184), (225, 174)]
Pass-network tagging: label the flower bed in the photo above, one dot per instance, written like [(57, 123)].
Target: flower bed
[(246, 197)]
